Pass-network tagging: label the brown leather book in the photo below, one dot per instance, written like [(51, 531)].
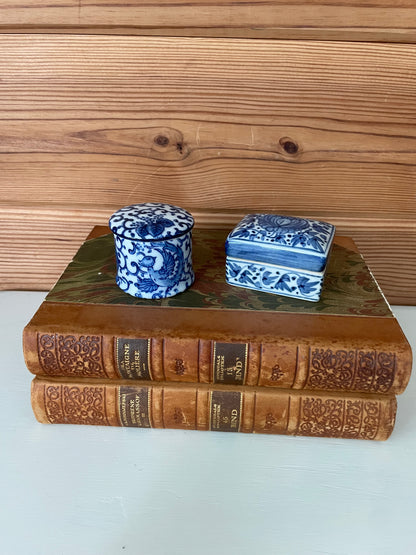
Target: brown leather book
[(218, 333), (226, 408)]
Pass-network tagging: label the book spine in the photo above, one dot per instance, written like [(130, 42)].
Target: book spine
[(216, 408), (282, 363)]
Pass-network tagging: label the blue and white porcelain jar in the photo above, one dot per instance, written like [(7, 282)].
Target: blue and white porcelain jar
[(279, 254), (153, 244)]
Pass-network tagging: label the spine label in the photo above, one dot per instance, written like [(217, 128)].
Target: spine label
[(133, 358), (230, 362), (225, 411), (134, 406)]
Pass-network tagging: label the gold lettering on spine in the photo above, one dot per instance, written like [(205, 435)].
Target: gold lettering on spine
[(149, 365), (149, 406), (213, 413), (215, 362), (126, 359), (134, 406), (234, 419), (133, 358), (225, 410), (229, 361), (122, 409)]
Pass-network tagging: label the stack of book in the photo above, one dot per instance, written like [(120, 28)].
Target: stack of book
[(217, 357)]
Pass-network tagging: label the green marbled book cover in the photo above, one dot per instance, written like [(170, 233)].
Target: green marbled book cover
[(349, 287)]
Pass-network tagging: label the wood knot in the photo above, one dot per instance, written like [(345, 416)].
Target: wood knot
[(289, 145), (161, 140), (168, 143)]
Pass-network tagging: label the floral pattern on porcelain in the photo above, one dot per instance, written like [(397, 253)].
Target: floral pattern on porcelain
[(274, 279), (279, 254), (286, 231), (153, 244), (151, 221)]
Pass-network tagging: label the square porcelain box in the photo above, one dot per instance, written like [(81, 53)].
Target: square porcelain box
[(279, 254)]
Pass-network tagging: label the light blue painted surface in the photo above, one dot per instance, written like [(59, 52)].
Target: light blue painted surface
[(69, 490)]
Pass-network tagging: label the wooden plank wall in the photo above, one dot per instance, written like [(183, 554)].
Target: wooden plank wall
[(220, 126), (370, 20)]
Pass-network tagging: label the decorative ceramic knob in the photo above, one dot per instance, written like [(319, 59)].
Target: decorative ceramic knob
[(153, 244)]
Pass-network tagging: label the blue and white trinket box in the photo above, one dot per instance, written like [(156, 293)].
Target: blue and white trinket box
[(153, 244), (279, 254)]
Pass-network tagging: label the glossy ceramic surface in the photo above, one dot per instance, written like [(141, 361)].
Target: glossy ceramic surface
[(284, 255), (154, 249), (151, 221), (274, 279), (284, 240)]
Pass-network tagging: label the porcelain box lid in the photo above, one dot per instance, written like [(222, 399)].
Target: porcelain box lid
[(151, 221), (282, 240)]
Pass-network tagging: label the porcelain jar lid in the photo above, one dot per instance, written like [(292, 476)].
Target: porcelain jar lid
[(282, 240), (151, 221)]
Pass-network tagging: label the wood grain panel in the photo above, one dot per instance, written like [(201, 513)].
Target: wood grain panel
[(341, 85), (340, 189), (91, 123), (202, 120), (380, 20), (43, 241)]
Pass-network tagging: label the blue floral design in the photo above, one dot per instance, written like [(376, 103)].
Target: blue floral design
[(245, 277), (287, 231), (283, 283), (269, 278), (306, 285), (233, 270), (153, 249), (156, 269), (281, 224), (273, 279), (151, 221), (146, 285), (154, 228)]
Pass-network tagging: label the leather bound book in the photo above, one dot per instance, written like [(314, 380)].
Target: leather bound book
[(226, 408), (217, 333)]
